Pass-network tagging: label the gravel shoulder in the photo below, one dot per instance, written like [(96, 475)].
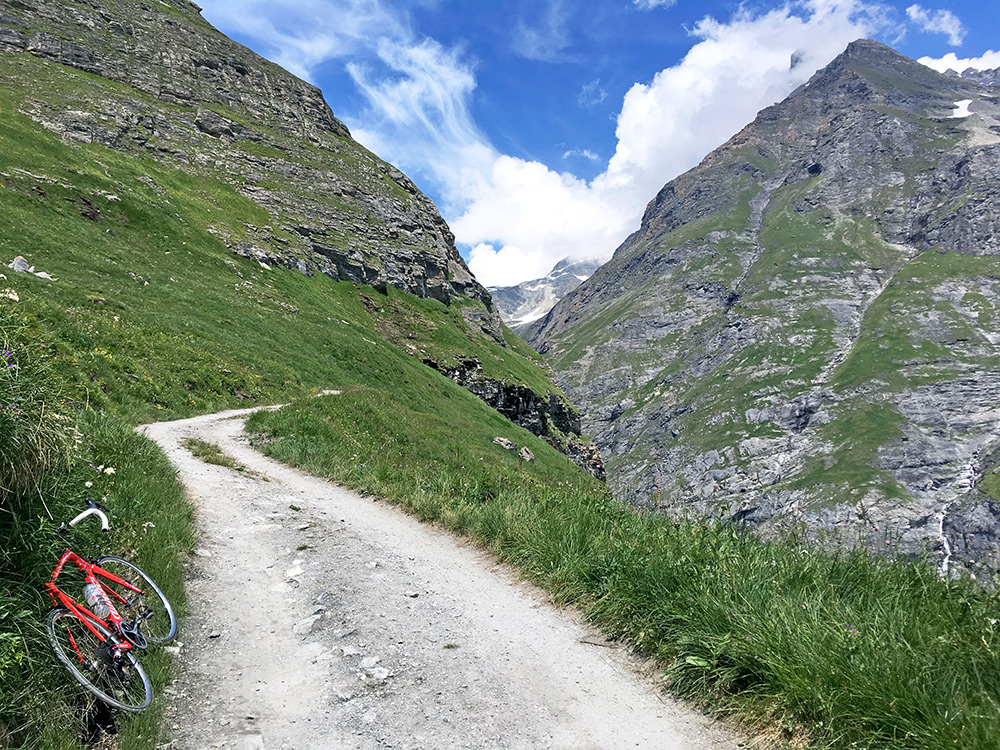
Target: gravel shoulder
[(322, 619)]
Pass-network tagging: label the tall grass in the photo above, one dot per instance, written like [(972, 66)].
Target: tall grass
[(54, 455), (37, 437), (834, 650)]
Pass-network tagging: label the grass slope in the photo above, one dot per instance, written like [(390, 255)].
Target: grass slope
[(53, 456), (149, 316)]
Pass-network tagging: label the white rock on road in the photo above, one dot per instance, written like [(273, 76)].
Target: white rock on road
[(319, 648)]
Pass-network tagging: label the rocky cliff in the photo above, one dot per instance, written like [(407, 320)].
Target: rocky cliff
[(805, 331), (155, 80)]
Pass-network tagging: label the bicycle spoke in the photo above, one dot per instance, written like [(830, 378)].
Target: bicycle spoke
[(101, 666)]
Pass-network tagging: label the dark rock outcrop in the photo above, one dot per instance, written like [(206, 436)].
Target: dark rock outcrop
[(550, 417)]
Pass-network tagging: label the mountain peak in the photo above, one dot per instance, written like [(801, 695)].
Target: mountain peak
[(870, 69), (795, 294)]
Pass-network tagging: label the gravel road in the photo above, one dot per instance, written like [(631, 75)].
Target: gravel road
[(322, 619)]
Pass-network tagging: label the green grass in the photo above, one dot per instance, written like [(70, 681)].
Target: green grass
[(855, 436), (891, 334), (840, 650), (39, 705), (151, 316), (211, 453)]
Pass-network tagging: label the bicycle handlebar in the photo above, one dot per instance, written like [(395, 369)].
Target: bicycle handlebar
[(93, 509)]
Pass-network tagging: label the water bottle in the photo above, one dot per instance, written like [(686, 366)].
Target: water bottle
[(92, 593)]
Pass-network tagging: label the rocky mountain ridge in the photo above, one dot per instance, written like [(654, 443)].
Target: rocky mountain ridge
[(803, 332), (524, 303), (163, 82), (990, 77)]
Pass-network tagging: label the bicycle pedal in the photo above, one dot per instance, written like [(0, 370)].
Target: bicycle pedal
[(134, 636)]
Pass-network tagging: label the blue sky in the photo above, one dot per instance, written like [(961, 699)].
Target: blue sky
[(541, 128)]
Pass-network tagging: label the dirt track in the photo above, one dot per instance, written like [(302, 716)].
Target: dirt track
[(321, 619)]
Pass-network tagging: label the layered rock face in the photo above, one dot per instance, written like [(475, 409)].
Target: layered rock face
[(805, 331), (156, 79)]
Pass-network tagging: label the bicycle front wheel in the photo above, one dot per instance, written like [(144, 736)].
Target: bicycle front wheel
[(115, 678), (148, 609)]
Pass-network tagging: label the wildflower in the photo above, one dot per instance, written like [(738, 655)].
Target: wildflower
[(88, 484), (110, 470), (10, 294)]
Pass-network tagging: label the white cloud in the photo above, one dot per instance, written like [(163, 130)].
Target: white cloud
[(938, 22), (665, 127), (585, 153), (650, 4), (988, 61), (501, 268), (299, 35), (531, 217)]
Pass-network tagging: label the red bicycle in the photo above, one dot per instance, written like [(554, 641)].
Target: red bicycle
[(125, 611)]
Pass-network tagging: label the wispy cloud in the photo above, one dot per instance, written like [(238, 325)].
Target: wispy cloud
[(592, 94), (938, 22), (545, 39), (416, 91), (585, 153), (300, 35), (418, 104), (651, 4)]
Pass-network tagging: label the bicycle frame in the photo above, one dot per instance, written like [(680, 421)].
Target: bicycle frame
[(91, 572)]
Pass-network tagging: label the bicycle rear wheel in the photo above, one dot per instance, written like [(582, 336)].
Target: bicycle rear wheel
[(115, 678), (149, 609)]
